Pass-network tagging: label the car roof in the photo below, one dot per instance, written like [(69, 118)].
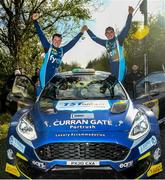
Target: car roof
[(156, 72), (75, 72)]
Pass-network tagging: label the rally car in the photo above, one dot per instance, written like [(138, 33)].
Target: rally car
[(83, 122), (150, 91)]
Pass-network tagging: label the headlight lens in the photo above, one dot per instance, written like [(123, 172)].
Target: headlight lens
[(26, 128), (140, 126)]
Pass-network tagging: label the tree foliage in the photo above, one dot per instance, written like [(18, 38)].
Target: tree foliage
[(69, 67), (17, 39), (153, 45), (100, 64)]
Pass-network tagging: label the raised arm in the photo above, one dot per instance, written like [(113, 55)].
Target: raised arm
[(40, 33), (96, 39), (123, 34), (68, 46)]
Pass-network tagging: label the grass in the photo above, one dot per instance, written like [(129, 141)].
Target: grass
[(4, 125), (5, 118), (3, 130), (3, 175)]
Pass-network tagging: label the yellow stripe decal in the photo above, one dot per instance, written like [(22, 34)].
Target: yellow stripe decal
[(144, 156), (21, 156), (12, 170), (155, 169)]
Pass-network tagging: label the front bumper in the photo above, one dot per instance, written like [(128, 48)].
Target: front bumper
[(135, 165)]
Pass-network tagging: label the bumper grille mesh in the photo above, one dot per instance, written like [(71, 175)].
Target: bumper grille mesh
[(82, 151)]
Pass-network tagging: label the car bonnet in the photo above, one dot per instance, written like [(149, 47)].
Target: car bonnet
[(81, 117)]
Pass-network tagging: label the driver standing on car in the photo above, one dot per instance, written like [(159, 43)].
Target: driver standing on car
[(53, 51), (114, 46)]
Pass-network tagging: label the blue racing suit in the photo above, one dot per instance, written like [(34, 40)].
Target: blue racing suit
[(115, 50), (53, 55)]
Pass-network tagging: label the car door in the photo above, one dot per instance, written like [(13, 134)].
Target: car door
[(22, 94), (150, 91)]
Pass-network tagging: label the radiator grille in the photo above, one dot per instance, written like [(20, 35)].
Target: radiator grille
[(82, 151)]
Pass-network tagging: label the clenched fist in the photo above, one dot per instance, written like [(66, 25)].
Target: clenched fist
[(84, 28), (130, 10), (35, 16)]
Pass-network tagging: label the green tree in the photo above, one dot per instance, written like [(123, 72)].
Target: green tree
[(153, 45), (68, 67), (17, 31), (100, 64)]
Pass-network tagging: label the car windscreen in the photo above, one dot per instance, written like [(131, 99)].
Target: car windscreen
[(83, 87)]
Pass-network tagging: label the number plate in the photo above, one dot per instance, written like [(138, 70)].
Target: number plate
[(83, 163)]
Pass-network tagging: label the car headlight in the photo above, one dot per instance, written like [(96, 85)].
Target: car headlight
[(140, 126), (26, 128)]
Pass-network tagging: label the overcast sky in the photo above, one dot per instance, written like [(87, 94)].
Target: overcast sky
[(112, 13)]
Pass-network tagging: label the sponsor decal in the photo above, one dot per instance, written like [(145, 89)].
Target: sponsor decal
[(21, 156), (46, 123), (10, 154), (14, 123), (147, 145), (155, 169), (17, 144), (120, 123), (83, 163), (82, 116), (119, 107), (82, 127), (82, 123), (157, 154), (126, 164), (39, 164), (145, 156), (80, 134), (83, 105), (12, 170), (154, 106), (154, 140)]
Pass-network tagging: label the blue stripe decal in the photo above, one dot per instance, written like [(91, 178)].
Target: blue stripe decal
[(122, 66), (43, 70)]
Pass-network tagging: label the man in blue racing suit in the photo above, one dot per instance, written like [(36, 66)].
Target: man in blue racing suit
[(53, 51), (114, 46)]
